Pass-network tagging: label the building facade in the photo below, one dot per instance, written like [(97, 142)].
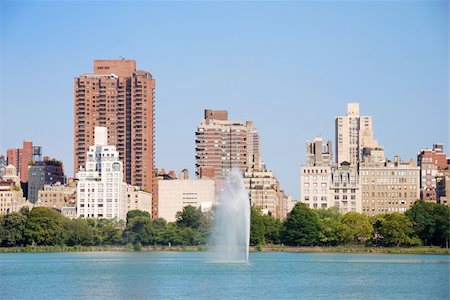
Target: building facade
[(432, 163), (345, 189), (120, 98), (101, 190), (175, 194), (390, 187), (139, 199), (21, 158), (57, 196), (353, 133), (42, 173), (222, 145)]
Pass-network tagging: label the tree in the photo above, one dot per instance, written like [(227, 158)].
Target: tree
[(272, 229), (329, 220), (190, 217), (441, 234), (257, 228), (12, 228), (421, 215), (79, 233), (301, 227), (45, 226), (137, 213), (354, 228), (395, 230)]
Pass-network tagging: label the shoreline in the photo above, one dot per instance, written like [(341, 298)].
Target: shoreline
[(268, 248)]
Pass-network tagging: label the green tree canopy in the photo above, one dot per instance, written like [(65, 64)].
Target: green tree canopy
[(190, 217), (421, 215), (12, 227), (45, 226), (137, 213), (354, 228), (301, 227), (329, 220), (395, 230)]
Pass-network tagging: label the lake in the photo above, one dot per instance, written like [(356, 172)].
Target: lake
[(195, 275)]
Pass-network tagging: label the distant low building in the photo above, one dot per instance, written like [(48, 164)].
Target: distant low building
[(57, 196), (139, 199), (175, 194), (42, 173)]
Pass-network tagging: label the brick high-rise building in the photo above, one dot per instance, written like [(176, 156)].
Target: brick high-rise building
[(21, 158), (223, 144), (121, 98)]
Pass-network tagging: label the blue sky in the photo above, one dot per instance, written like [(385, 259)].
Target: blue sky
[(290, 66)]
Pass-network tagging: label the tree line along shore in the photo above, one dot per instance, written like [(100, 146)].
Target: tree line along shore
[(425, 228)]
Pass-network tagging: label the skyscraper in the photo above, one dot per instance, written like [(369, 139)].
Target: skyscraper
[(223, 144), (121, 98), (353, 134)]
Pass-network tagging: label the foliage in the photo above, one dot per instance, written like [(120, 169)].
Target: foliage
[(12, 228), (301, 227), (395, 230), (421, 215), (354, 228), (45, 226), (137, 213), (329, 220), (190, 217)]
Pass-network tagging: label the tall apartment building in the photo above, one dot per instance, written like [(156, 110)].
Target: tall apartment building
[(101, 190), (21, 158), (120, 98), (315, 176), (432, 163), (392, 186), (353, 133), (223, 144)]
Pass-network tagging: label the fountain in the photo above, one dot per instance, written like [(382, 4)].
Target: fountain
[(231, 234)]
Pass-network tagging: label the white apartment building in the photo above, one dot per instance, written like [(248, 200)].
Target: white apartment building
[(101, 190), (175, 194), (345, 189)]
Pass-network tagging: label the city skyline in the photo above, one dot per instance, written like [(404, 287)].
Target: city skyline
[(279, 76)]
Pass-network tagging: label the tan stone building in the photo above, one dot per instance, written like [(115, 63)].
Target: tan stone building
[(57, 196), (174, 194), (390, 187), (139, 199), (353, 133), (118, 96)]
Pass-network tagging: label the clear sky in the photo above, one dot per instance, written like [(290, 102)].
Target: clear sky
[(290, 66)]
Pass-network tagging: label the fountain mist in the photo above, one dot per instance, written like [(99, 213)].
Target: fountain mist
[(231, 235)]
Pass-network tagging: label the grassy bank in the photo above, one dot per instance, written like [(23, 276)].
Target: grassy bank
[(355, 249), (272, 248)]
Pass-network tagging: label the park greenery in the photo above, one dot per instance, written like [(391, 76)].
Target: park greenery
[(424, 224)]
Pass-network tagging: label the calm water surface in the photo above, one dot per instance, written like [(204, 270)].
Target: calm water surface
[(194, 275)]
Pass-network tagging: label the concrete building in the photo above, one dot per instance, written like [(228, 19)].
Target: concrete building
[(315, 175), (21, 158), (3, 165), (139, 199), (265, 193), (175, 194), (389, 187), (11, 195), (57, 196), (41, 173), (353, 133), (222, 145), (432, 163), (101, 190), (120, 98), (345, 188)]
